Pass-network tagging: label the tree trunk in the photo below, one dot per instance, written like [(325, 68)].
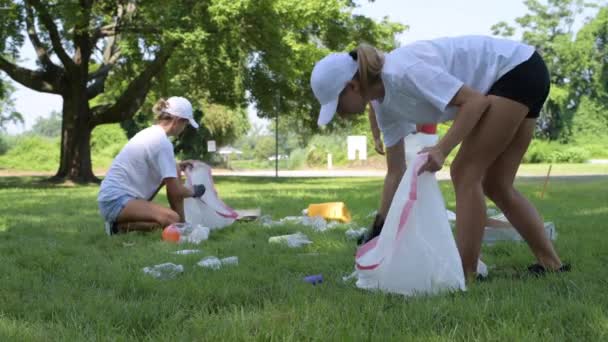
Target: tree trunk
[(75, 161)]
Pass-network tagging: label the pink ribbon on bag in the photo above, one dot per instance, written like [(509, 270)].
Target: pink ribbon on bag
[(405, 215)]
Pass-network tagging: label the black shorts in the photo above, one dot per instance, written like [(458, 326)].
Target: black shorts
[(528, 83)]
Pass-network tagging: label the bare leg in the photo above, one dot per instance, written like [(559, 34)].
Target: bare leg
[(498, 186), (125, 227), (144, 215), (479, 150)]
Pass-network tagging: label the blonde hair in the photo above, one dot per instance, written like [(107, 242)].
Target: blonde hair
[(370, 63), (159, 110)]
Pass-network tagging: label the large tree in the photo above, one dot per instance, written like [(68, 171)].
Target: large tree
[(549, 26), (78, 43), (103, 57)]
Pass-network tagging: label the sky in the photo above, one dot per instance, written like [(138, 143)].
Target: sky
[(426, 19)]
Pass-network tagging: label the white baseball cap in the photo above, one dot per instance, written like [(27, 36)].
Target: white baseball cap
[(329, 77), (180, 107)]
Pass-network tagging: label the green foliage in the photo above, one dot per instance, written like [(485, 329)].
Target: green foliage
[(32, 153), (48, 127), (6, 143), (574, 59), (552, 152), (297, 159), (265, 147), (590, 119), (106, 143), (7, 106), (320, 145)]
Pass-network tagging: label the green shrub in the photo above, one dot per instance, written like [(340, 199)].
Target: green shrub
[(569, 155), (106, 143), (552, 152), (32, 153), (297, 159), (320, 145)]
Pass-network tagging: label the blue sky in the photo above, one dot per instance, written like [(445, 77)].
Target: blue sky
[(426, 19)]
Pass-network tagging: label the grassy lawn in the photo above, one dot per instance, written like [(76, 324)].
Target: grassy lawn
[(62, 279)]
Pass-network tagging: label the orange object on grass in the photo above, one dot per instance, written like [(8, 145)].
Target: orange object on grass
[(330, 211), (171, 234)]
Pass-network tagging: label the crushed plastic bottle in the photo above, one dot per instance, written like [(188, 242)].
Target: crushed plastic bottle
[(293, 240), (164, 271), (187, 251), (354, 234), (186, 232), (317, 223), (197, 235), (266, 221), (210, 262), (233, 260)]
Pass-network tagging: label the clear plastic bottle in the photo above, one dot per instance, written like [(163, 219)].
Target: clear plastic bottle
[(167, 270)]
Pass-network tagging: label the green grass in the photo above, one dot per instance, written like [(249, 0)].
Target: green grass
[(563, 169), (62, 279)]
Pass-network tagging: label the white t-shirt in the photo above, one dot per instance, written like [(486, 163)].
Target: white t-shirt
[(140, 167), (420, 79)]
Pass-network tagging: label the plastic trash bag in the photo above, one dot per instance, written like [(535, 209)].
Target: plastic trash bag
[(416, 252), (208, 210)]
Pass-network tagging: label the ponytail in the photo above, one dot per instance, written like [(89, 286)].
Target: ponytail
[(370, 63)]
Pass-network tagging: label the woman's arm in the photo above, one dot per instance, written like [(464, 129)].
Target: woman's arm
[(378, 145), (176, 193), (472, 105), (395, 161)]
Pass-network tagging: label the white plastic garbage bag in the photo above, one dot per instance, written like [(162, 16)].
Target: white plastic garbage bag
[(208, 210), (416, 252)]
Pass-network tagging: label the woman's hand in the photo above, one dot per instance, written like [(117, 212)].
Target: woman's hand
[(186, 164), (436, 158)]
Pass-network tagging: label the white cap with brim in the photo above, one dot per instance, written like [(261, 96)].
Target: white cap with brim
[(180, 107), (329, 77)]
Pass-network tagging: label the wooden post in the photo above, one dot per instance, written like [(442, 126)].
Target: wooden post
[(542, 194)]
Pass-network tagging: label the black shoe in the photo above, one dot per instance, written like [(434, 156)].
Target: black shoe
[(372, 233), (539, 270)]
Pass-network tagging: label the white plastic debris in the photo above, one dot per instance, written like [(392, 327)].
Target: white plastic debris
[(350, 276), (482, 269), (233, 260), (292, 240), (197, 235), (354, 234), (210, 262), (191, 233), (164, 271), (492, 235), (187, 251), (451, 215)]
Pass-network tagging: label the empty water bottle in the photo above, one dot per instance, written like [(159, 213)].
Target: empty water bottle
[(233, 260), (164, 271), (210, 262)]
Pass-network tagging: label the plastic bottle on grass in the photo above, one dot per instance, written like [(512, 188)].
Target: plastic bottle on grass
[(185, 232), (233, 260), (210, 262), (164, 271)]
